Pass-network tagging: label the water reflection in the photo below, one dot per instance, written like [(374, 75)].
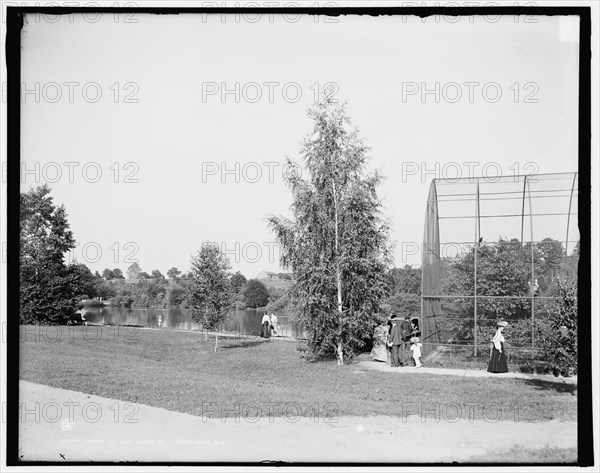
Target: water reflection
[(241, 322)]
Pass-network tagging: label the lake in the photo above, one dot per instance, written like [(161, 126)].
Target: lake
[(240, 322)]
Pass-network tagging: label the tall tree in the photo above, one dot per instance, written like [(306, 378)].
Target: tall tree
[(336, 243), (552, 256), (256, 294), (118, 274), (133, 272), (174, 273), (108, 274), (47, 295), (209, 287), (156, 274)]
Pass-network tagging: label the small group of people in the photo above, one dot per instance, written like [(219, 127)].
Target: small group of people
[(391, 339), (269, 326)]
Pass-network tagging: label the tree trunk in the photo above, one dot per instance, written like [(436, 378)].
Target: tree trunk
[(340, 353), (338, 276), (216, 338)]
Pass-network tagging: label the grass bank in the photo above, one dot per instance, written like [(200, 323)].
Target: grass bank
[(179, 371)]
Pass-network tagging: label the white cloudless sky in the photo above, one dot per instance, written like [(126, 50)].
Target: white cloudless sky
[(179, 160)]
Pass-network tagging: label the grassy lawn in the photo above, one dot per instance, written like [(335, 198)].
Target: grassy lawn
[(179, 371)]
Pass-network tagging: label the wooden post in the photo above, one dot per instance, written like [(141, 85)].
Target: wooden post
[(532, 272), (477, 237)]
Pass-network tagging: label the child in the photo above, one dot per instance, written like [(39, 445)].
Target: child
[(416, 349)]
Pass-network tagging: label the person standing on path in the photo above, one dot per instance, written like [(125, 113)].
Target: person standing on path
[(498, 362), (396, 339), (274, 324), (380, 350), (266, 326)]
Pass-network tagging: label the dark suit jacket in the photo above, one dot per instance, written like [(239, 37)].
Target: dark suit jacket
[(396, 334)]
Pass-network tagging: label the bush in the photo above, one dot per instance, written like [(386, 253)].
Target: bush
[(560, 343), (526, 367)]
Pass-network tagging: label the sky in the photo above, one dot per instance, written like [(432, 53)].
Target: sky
[(160, 132)]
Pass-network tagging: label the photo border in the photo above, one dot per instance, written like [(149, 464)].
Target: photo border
[(14, 25)]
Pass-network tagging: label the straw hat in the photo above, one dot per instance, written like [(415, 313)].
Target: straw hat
[(415, 339), (503, 324)]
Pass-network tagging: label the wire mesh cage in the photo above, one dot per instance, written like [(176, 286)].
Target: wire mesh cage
[(494, 249)]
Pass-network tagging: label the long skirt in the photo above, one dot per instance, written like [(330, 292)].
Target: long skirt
[(498, 363), (380, 352), (266, 330)]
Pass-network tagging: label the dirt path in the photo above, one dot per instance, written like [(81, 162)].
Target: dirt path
[(368, 364), (57, 424)]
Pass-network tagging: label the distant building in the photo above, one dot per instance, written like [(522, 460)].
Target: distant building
[(268, 275)]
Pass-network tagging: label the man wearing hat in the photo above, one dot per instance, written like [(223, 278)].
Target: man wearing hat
[(498, 363)]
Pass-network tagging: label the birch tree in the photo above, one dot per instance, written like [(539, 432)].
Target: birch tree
[(209, 288), (336, 242)]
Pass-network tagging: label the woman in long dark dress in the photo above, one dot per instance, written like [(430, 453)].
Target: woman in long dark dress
[(265, 326), (498, 363)]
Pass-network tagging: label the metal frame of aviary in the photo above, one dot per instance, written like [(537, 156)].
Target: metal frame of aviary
[(521, 210)]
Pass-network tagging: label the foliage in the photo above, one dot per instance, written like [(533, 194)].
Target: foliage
[(104, 289), (133, 271), (210, 289), (504, 269), (255, 294), (144, 293), (156, 274), (405, 286), (560, 342), (280, 304), (48, 288), (176, 295), (109, 274), (336, 244), (173, 273), (238, 282), (84, 283)]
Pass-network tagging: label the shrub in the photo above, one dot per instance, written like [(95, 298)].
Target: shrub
[(560, 342)]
